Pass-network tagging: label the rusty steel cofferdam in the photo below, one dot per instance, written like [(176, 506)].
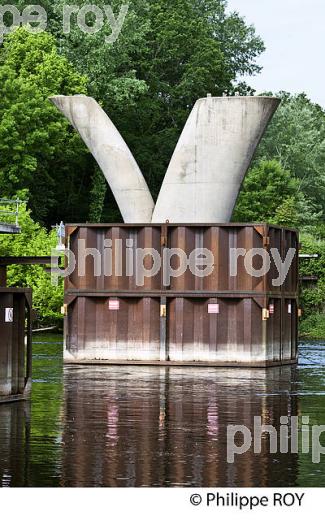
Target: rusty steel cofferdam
[(218, 319)]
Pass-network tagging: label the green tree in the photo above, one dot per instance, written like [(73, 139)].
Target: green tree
[(34, 240), (269, 194), (38, 150), (97, 196), (296, 138)]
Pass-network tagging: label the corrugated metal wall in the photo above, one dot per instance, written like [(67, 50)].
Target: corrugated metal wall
[(217, 319), (217, 239)]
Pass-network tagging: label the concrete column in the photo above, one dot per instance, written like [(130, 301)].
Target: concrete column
[(112, 155), (211, 159)]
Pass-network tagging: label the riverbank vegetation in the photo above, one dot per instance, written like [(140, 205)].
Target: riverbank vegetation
[(34, 240), (169, 53)]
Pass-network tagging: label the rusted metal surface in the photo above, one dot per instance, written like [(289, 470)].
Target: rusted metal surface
[(218, 319), (95, 331), (15, 355), (120, 237), (206, 330), (219, 239)]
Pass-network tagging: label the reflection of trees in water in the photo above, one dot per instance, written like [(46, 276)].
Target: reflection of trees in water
[(311, 395), (47, 411), (30, 433), (167, 426)]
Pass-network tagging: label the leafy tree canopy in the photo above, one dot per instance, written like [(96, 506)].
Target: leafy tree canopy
[(296, 138), (38, 151), (268, 193)]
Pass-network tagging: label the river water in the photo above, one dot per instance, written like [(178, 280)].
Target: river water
[(154, 426)]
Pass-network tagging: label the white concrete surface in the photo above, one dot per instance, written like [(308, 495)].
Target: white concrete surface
[(211, 159), (112, 155)]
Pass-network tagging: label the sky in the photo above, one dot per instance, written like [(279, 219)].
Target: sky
[(293, 32)]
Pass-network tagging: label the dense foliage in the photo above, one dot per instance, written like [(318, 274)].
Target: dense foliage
[(38, 151), (296, 138), (34, 240), (269, 194)]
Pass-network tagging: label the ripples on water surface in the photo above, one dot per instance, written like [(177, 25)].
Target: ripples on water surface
[(154, 426)]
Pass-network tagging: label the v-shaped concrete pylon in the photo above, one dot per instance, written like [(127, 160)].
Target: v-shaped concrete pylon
[(211, 159), (112, 155), (206, 171)]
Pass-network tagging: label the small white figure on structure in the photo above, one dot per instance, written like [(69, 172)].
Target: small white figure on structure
[(60, 230)]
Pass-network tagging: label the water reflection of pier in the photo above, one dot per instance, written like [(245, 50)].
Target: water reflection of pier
[(141, 426), (14, 445)]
